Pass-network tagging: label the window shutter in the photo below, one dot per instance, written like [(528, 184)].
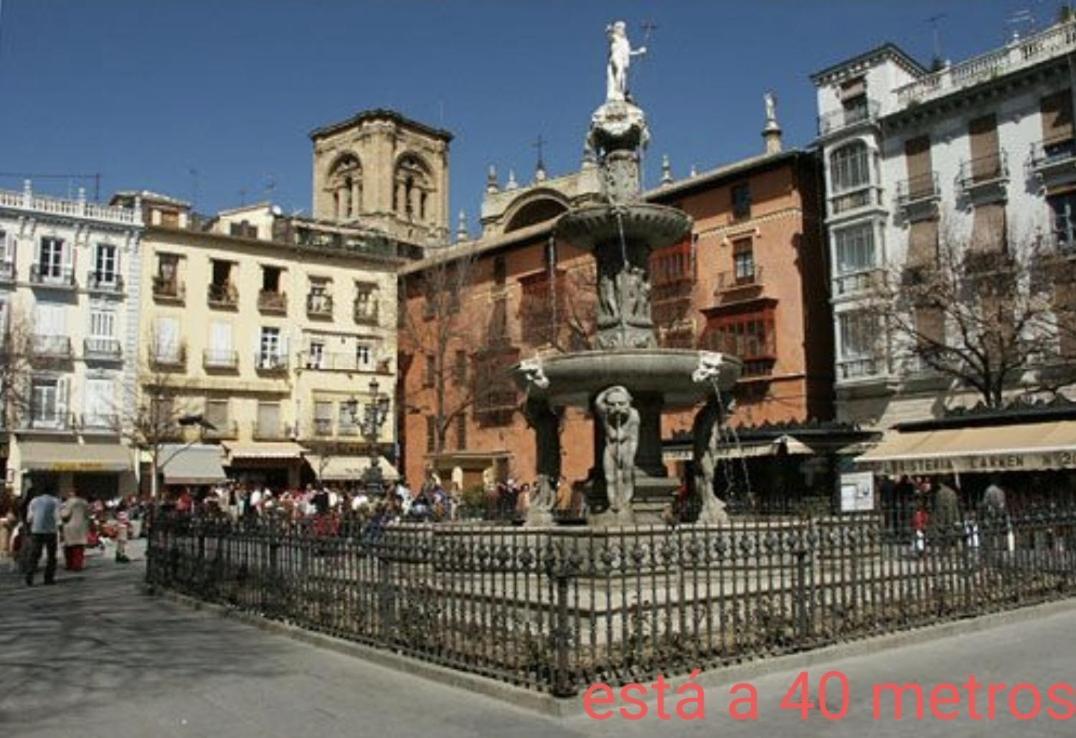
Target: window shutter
[(69, 257), (282, 351)]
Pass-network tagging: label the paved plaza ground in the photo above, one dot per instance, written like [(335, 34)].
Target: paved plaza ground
[(93, 656)]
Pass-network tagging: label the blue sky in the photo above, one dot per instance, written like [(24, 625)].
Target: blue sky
[(145, 91)]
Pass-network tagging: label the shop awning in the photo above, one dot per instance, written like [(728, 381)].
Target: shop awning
[(198, 464), (347, 468), (282, 450), (783, 444), (57, 456), (1016, 447)]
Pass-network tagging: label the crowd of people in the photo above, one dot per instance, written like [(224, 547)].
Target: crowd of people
[(39, 523)]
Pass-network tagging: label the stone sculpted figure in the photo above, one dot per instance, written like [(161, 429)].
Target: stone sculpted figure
[(620, 54), (620, 423), (546, 424), (771, 107), (709, 368), (706, 435), (533, 372)]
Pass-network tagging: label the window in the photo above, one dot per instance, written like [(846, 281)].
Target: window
[(431, 364), (102, 330), (363, 356), (320, 300), (315, 358), (105, 263), (850, 167), (50, 258), (216, 413), (220, 344), (323, 418), (166, 338), (365, 302), (269, 347), (243, 228), (855, 248), (461, 431), (858, 336), (743, 259), (1063, 210), (500, 271), (431, 434), (50, 319), (741, 200), (268, 423), (271, 279), (222, 289), (459, 370), (47, 402), (167, 267), (99, 403)]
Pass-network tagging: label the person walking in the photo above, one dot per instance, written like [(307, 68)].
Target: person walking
[(75, 514), (43, 516)]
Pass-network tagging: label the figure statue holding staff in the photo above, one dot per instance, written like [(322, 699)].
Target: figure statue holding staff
[(620, 54)]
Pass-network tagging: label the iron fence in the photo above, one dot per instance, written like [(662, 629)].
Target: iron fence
[(557, 609)]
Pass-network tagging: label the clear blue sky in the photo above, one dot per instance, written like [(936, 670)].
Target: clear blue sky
[(144, 91)]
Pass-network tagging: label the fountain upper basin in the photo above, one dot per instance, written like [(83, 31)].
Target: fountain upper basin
[(656, 225), (575, 378)]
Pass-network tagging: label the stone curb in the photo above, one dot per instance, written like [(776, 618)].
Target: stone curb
[(571, 707)]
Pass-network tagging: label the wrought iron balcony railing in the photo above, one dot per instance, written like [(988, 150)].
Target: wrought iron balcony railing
[(224, 295), (837, 120), (917, 189), (52, 276), (319, 305), (365, 313), (266, 361), (171, 290), (108, 282), (51, 347), (982, 171), (102, 349), (270, 301), (220, 359)]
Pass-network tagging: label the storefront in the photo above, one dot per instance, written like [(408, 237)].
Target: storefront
[(1031, 453), (97, 470), (195, 465), (276, 465), (348, 469)]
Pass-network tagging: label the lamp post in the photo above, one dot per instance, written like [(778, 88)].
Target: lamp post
[(373, 417)]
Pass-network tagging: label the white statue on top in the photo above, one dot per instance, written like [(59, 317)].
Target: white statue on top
[(620, 54)]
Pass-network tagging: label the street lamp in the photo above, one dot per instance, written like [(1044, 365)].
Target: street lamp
[(373, 417)]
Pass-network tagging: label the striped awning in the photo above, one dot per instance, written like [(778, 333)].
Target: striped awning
[(282, 450)]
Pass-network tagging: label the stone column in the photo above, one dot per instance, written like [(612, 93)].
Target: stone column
[(648, 457), (401, 197), (356, 197)]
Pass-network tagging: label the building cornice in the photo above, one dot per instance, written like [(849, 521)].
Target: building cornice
[(377, 114), (859, 64)]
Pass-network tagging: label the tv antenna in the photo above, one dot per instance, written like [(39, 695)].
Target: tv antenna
[(936, 33)]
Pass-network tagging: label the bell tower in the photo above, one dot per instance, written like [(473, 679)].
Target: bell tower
[(383, 170)]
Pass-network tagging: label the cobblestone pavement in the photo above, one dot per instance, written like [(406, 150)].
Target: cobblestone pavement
[(92, 656)]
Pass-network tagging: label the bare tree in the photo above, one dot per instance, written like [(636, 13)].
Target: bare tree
[(559, 308), (16, 369), (983, 315), (435, 336)]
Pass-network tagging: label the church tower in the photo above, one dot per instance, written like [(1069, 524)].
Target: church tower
[(386, 171)]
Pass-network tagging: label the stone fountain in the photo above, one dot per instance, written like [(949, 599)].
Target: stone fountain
[(627, 380)]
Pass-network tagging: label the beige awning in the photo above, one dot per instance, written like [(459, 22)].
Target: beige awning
[(197, 464), (278, 450), (347, 468), (57, 456), (1017, 447), (783, 444)]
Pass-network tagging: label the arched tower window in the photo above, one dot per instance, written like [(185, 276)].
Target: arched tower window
[(412, 184), (345, 182)]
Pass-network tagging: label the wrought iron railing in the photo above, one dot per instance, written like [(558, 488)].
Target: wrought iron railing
[(169, 289), (225, 295), (104, 282), (555, 609), (319, 305), (836, 120), (102, 348), (220, 359), (986, 169), (52, 276), (270, 301)]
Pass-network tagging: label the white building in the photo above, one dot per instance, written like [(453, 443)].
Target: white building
[(69, 284), (980, 152)]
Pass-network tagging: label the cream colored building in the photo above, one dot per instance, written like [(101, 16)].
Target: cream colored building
[(271, 329), (69, 288)]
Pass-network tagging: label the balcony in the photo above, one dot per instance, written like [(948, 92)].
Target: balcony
[(864, 281), (365, 313), (983, 179), (53, 422), (860, 368), (220, 360), (838, 120), (319, 305), (223, 430), (107, 283), (100, 423), (1053, 161), (224, 296), (7, 272), (336, 362), (51, 348), (169, 358), (98, 348), (738, 286), (169, 290), (271, 431), (266, 362), (1055, 41), (848, 201), (917, 197), (272, 302), (55, 277)]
